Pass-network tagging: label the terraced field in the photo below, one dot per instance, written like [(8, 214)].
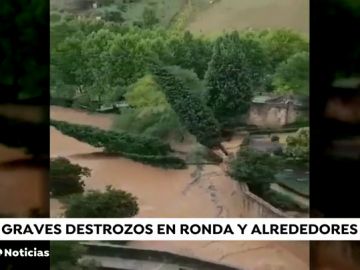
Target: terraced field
[(241, 14)]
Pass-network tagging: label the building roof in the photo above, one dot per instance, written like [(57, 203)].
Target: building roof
[(278, 100), (261, 99)]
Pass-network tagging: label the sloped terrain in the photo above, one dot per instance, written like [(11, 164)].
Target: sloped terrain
[(261, 14)]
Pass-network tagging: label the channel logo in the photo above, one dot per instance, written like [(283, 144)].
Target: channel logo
[(24, 252)]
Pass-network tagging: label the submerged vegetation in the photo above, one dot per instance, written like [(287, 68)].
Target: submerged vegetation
[(148, 150), (111, 203), (66, 178)]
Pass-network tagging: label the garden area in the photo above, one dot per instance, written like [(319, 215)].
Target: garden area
[(281, 160)]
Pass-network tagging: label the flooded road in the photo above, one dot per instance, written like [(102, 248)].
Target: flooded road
[(194, 192)]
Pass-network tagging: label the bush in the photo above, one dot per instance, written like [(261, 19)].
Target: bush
[(254, 168), (96, 204), (66, 178), (297, 148)]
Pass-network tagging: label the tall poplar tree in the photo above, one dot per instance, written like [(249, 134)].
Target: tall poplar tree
[(191, 110)]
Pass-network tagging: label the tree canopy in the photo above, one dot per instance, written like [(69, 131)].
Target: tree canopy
[(111, 203), (234, 72), (292, 76), (195, 115), (66, 178)]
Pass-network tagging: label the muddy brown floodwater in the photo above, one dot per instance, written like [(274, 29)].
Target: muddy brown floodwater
[(21, 187), (190, 193)]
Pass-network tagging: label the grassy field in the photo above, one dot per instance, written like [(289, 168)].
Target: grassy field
[(220, 15), (241, 14)]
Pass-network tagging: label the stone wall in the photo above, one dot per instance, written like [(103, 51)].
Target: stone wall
[(255, 207), (272, 115), (108, 250)]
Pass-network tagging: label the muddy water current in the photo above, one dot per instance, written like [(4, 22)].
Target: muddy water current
[(193, 192)]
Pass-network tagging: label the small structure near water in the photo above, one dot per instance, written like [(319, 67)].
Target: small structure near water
[(275, 112)]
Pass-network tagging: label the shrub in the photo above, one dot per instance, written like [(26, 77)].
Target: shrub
[(257, 169), (297, 148), (66, 178), (96, 204)]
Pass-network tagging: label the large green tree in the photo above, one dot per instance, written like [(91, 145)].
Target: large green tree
[(234, 72), (189, 52), (151, 114), (292, 76), (191, 110), (281, 44)]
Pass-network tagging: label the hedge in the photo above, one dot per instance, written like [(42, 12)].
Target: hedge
[(146, 150), (113, 142)]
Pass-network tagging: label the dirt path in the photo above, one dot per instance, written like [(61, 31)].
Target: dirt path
[(260, 14), (194, 192)]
